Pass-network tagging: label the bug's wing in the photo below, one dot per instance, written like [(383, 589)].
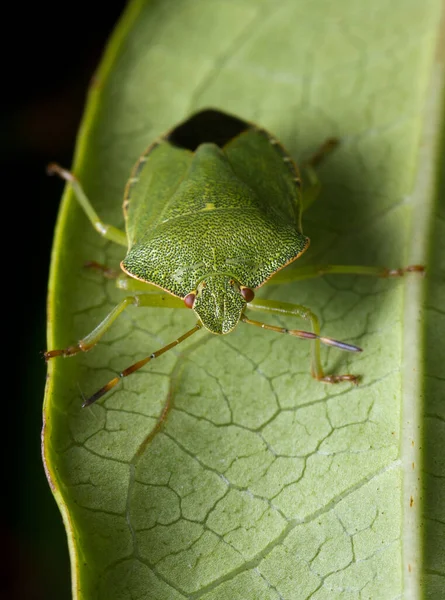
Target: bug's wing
[(213, 222), (163, 166), (154, 180), (259, 160)]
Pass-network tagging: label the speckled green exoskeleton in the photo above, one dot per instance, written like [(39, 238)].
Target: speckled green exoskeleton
[(212, 211)]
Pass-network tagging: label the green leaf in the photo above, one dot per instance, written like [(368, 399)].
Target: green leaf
[(262, 483)]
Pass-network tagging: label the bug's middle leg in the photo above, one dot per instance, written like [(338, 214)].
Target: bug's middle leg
[(154, 300), (297, 310), (312, 271)]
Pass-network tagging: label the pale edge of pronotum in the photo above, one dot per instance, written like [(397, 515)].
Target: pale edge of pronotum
[(422, 198), (109, 57)]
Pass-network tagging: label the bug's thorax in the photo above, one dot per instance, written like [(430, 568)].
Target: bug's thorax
[(219, 303)]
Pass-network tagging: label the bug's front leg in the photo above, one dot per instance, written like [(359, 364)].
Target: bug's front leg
[(152, 299), (296, 310)]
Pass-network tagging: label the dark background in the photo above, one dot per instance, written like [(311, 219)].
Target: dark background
[(49, 53)]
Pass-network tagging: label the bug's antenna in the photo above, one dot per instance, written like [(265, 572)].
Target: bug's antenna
[(308, 335), (137, 365)]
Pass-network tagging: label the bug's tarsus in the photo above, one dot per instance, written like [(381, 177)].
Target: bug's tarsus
[(400, 272), (70, 351), (55, 169), (355, 379), (415, 269)]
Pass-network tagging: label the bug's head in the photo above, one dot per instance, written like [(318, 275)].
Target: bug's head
[(219, 301)]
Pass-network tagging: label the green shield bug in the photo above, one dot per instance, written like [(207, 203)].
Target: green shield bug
[(212, 211)]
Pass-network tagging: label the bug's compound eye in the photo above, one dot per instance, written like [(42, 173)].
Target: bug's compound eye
[(247, 294), (189, 300)]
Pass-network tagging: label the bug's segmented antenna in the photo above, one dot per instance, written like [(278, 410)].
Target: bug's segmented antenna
[(324, 340), (308, 335), (138, 365)]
